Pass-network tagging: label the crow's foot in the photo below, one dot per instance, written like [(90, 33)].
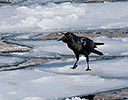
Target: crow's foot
[(74, 67), (88, 69)]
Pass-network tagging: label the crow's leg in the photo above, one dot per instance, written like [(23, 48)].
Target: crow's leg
[(77, 59), (87, 59)]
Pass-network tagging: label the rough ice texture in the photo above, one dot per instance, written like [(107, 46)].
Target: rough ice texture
[(65, 16), (11, 47), (55, 78), (45, 82)]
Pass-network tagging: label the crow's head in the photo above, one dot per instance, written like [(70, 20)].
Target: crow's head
[(67, 37)]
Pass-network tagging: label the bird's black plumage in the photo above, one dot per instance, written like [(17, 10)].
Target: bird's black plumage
[(80, 46)]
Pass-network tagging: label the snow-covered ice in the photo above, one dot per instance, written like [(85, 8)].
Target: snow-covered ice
[(113, 46), (38, 18), (55, 79), (5, 60), (61, 81)]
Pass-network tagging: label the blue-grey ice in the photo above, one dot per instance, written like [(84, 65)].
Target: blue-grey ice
[(55, 78)]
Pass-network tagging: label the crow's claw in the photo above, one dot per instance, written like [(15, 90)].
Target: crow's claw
[(74, 67), (88, 69)]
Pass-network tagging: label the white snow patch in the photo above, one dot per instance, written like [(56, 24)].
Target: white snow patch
[(33, 98), (75, 98), (64, 16)]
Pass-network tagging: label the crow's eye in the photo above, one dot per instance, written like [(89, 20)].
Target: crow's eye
[(67, 35), (64, 38)]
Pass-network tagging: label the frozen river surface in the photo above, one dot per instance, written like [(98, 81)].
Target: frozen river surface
[(60, 17), (54, 79)]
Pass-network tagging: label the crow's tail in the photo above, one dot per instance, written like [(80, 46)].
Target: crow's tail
[(98, 43), (97, 52)]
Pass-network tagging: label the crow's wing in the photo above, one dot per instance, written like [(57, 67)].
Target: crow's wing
[(88, 43)]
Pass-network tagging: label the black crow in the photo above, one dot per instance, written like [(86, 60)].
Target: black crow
[(80, 46)]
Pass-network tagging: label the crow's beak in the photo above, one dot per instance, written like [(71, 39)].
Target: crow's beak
[(59, 39)]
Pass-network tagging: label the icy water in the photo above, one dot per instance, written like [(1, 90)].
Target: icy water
[(54, 79)]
